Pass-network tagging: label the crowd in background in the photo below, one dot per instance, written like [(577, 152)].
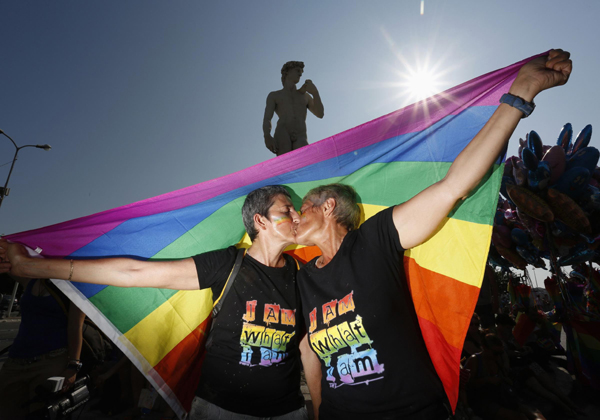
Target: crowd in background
[(503, 378)]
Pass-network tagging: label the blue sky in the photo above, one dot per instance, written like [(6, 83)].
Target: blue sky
[(139, 98)]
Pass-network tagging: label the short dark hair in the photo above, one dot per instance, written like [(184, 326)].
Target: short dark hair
[(289, 66), (260, 201), (347, 212)]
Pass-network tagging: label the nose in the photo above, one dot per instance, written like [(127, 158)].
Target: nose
[(295, 216)]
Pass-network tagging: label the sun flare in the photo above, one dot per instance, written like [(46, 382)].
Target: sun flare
[(422, 84), (418, 74)]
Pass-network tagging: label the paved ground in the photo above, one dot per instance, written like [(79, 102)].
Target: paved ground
[(585, 399)]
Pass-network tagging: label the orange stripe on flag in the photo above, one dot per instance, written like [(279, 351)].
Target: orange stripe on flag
[(305, 254), (442, 300), (182, 365)]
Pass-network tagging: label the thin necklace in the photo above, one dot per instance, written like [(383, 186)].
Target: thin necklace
[(319, 263)]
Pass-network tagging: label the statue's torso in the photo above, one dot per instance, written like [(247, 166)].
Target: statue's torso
[(290, 107)]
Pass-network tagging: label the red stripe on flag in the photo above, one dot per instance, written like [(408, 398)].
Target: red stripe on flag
[(445, 358), (180, 368)]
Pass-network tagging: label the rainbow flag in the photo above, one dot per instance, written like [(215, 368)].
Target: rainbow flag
[(387, 160)]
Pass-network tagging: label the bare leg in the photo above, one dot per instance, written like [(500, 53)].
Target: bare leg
[(283, 142)]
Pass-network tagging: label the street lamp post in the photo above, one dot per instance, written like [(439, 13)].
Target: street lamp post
[(4, 192)]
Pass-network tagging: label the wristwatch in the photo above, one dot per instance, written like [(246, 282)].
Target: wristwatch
[(519, 103), (74, 365)]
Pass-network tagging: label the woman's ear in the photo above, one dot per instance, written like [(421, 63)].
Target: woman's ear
[(329, 206), (260, 222)]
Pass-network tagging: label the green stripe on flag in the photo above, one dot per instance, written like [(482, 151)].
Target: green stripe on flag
[(384, 184), (140, 302)]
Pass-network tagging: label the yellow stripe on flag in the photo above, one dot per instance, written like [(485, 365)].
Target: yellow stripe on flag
[(173, 321), (458, 250), (369, 210), (245, 242)]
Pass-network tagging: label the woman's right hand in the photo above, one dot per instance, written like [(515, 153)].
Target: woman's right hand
[(10, 256)]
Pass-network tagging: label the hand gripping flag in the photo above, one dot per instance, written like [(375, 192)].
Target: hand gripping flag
[(387, 160)]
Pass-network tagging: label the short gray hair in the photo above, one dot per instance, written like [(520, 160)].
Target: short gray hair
[(260, 201), (289, 66), (346, 212)]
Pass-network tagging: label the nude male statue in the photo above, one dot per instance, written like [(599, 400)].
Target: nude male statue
[(290, 104)]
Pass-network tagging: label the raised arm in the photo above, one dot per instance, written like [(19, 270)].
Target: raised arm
[(269, 111), (315, 105), (122, 272), (420, 216)]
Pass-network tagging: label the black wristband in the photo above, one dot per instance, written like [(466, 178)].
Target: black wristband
[(519, 103), (75, 365)]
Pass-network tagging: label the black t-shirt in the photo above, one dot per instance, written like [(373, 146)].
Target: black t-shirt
[(363, 327), (253, 364)]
